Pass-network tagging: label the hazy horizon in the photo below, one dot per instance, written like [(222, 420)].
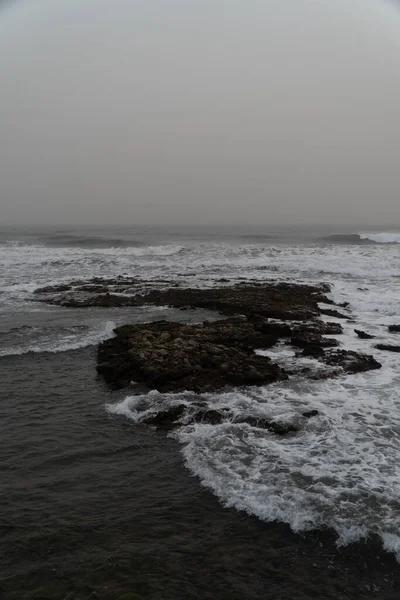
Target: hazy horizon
[(226, 113)]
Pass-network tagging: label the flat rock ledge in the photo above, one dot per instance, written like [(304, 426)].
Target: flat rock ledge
[(173, 357), (273, 300)]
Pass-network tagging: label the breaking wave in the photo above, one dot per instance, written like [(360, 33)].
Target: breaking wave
[(384, 237), (340, 471), (58, 340)]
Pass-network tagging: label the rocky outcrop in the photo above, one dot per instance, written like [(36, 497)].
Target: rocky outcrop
[(350, 361), (394, 328), (363, 335), (310, 413), (174, 416), (388, 347), (173, 357), (312, 334), (272, 300), (330, 312)]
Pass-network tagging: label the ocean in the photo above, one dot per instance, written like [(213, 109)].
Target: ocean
[(95, 503)]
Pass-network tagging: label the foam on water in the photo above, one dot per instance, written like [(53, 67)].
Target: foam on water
[(383, 237), (61, 341), (342, 470)]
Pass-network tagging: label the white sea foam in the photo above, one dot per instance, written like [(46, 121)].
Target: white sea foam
[(63, 342), (341, 470), (383, 237)]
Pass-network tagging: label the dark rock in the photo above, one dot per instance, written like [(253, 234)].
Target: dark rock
[(330, 328), (213, 417), (170, 419), (278, 428), (53, 289), (176, 357), (388, 347), (166, 419), (310, 413), (313, 350), (350, 361), (330, 312), (363, 335), (312, 334), (394, 328)]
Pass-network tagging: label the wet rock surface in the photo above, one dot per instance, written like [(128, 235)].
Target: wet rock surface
[(273, 300), (394, 328), (363, 335), (350, 361), (330, 312), (175, 416), (313, 334), (388, 347), (175, 357)]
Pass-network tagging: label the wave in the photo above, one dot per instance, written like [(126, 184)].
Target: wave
[(384, 237), (90, 242), (340, 471), (71, 339), (65, 241), (259, 237)]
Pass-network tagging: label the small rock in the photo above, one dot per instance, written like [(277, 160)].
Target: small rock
[(363, 335), (333, 313), (310, 413), (313, 350), (350, 361), (213, 417), (166, 419), (278, 428)]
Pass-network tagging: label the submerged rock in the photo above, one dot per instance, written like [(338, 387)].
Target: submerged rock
[(275, 427), (166, 419), (175, 416)]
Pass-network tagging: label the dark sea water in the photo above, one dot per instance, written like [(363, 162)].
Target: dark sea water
[(98, 504)]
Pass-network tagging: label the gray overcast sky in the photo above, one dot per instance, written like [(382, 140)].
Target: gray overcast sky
[(199, 111)]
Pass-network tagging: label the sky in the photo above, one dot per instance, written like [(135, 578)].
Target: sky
[(199, 112)]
